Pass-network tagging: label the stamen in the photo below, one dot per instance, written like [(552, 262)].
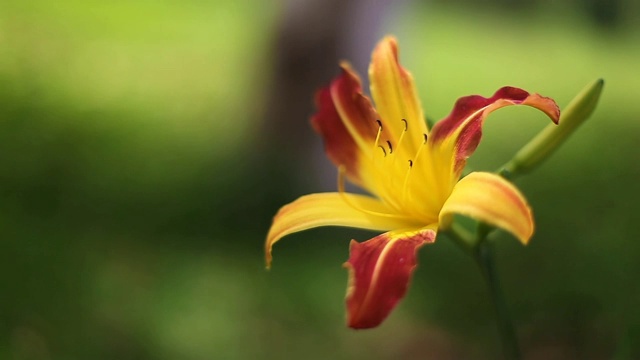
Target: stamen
[(341, 191), (415, 158), (406, 126), (411, 162), (401, 137), (381, 170), (406, 182), (375, 144)]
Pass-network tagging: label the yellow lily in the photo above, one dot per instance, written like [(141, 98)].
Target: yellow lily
[(413, 176)]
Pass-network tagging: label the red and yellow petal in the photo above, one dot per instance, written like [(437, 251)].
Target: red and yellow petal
[(331, 209), (458, 135), (380, 270), (491, 199), (355, 108), (395, 94), (346, 120), (339, 145)]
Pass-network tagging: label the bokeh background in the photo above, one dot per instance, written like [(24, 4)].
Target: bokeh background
[(146, 145)]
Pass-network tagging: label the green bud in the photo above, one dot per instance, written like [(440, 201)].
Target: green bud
[(552, 136)]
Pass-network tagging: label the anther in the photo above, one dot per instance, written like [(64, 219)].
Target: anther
[(390, 147), (383, 150), (406, 124), (425, 138), (379, 124), (410, 163)]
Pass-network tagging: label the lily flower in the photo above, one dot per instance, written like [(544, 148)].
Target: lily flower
[(412, 175)]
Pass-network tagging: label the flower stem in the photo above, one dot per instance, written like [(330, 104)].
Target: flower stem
[(483, 255), (462, 237), (481, 250)]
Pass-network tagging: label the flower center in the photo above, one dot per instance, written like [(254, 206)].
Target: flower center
[(397, 166)]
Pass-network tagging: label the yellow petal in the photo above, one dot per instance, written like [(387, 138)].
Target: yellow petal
[(394, 93), (493, 200), (331, 209)]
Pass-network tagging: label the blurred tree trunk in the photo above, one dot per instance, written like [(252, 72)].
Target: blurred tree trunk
[(312, 37), (304, 58)]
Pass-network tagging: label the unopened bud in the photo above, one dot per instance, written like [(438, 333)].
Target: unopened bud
[(551, 137)]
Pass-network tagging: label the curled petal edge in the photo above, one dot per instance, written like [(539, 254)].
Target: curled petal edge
[(460, 132)]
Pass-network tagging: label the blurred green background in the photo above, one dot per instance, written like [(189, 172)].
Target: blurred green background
[(146, 145)]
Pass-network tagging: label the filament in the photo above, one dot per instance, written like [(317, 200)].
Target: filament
[(406, 127), (375, 144), (406, 182), (415, 158)]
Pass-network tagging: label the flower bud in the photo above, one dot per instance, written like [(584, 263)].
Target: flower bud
[(552, 136)]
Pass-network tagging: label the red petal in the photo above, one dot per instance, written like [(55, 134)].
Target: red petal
[(464, 124), (340, 147), (379, 273), (356, 109), (346, 120)]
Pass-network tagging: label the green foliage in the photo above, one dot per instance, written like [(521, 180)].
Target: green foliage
[(132, 217)]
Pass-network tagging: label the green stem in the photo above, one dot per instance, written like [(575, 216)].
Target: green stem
[(484, 257), (462, 237), (480, 249)]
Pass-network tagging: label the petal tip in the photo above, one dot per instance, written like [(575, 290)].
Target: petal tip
[(544, 104), (525, 236), (389, 40), (267, 251), (346, 66)]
